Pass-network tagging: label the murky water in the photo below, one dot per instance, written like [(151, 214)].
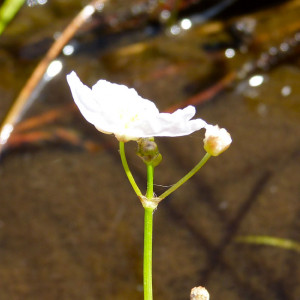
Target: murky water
[(70, 225)]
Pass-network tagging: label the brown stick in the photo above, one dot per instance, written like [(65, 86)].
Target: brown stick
[(17, 108), (206, 94), (45, 118)]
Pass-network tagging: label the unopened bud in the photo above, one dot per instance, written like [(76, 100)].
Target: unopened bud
[(148, 151), (199, 293), (216, 140)]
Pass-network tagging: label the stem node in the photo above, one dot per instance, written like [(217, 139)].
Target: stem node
[(149, 203)]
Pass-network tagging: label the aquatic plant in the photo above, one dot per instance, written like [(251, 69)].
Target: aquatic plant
[(116, 109), (8, 10), (269, 241)]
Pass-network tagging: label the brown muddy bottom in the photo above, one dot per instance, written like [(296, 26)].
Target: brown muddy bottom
[(72, 228)]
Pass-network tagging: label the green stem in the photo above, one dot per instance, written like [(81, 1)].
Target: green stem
[(186, 177), (8, 10), (150, 174), (148, 229), (127, 170), (269, 241)]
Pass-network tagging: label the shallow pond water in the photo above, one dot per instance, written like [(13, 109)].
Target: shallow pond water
[(70, 225)]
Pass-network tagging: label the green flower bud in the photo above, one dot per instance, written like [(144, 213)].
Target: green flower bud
[(148, 151)]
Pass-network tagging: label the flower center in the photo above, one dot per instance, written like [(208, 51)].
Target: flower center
[(127, 118)]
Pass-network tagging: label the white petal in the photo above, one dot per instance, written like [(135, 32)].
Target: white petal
[(175, 124), (216, 140), (83, 98), (117, 109)]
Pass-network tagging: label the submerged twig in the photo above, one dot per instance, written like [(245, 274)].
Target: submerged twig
[(45, 118), (17, 108), (206, 94)]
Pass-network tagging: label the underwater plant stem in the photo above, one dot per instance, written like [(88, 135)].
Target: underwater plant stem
[(148, 229), (127, 170), (269, 241), (186, 177)]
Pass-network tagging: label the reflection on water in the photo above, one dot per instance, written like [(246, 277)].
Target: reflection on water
[(70, 226)]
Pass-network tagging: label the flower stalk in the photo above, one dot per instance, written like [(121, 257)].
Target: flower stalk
[(149, 204), (127, 170), (148, 230), (186, 177), (147, 263)]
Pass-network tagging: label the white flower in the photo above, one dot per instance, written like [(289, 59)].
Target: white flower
[(216, 140), (116, 109)]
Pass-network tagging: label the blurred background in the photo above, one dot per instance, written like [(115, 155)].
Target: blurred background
[(70, 225)]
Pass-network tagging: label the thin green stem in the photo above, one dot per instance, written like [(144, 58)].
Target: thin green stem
[(186, 177), (148, 229), (127, 170), (8, 10), (150, 174), (269, 241)]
